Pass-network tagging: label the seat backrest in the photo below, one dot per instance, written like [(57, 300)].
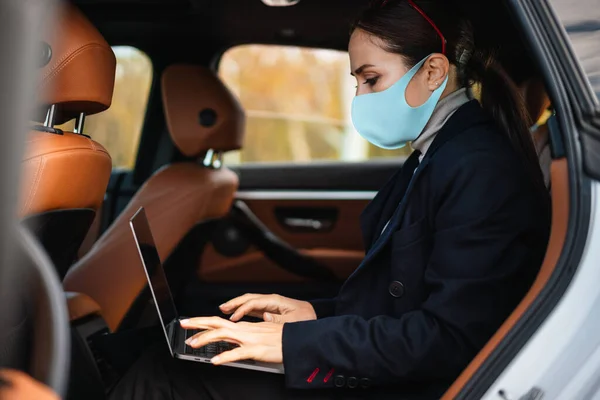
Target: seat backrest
[(204, 119), (65, 174), (541, 141), (560, 218), (537, 102)]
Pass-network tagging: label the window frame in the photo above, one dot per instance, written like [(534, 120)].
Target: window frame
[(144, 117), (215, 63)]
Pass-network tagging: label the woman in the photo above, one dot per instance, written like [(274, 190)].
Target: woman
[(454, 239)]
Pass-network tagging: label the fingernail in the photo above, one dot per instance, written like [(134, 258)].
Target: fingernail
[(232, 315), (223, 305), (268, 317), (184, 321), (215, 360), (188, 341)]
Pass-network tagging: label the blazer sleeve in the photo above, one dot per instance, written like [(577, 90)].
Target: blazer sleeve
[(323, 307), (479, 269)]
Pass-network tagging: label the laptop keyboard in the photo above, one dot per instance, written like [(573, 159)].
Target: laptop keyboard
[(211, 349)]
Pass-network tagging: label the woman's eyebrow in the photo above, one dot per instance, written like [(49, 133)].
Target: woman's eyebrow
[(360, 69)]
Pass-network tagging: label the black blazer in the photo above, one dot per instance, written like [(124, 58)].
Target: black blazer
[(466, 237)]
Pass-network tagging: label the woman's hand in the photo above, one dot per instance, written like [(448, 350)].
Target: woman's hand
[(257, 341), (16, 385), (271, 308)]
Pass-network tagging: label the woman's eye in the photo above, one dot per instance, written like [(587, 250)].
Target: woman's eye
[(371, 81)]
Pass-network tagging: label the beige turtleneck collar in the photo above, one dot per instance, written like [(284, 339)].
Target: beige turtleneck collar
[(443, 111)]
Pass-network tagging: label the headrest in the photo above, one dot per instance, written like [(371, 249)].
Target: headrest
[(78, 69), (535, 97), (201, 113)]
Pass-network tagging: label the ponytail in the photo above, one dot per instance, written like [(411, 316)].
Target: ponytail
[(499, 97), (406, 32)]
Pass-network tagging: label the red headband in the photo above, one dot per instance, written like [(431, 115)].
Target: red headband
[(413, 5)]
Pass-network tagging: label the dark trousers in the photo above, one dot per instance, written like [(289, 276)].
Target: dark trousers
[(158, 376)]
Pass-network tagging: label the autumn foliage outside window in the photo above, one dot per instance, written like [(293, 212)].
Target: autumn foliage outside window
[(298, 102), (119, 128)]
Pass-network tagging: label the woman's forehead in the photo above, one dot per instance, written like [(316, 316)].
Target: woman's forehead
[(364, 48)]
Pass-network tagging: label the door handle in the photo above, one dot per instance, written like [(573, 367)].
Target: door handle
[(277, 250), (307, 219), (308, 223)]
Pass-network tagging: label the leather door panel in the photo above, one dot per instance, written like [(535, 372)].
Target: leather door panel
[(338, 247)]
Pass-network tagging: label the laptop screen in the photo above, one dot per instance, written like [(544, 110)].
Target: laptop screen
[(155, 273)]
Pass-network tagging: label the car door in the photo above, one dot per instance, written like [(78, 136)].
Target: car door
[(304, 172), (550, 328)]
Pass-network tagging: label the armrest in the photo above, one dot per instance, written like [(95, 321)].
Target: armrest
[(278, 251), (81, 306)]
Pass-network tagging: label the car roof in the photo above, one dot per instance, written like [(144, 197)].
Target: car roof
[(206, 27)]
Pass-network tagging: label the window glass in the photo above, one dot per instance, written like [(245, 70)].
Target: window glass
[(297, 102), (119, 128), (581, 19)]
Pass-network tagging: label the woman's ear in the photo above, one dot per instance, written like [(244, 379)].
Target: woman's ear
[(437, 68)]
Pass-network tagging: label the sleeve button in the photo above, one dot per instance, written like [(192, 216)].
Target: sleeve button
[(352, 382), (339, 381), (365, 383)]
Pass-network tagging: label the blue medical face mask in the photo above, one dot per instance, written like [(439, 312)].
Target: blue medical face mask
[(387, 120)]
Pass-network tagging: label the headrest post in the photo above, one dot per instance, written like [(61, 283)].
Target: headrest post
[(50, 116), (213, 159), (79, 124)]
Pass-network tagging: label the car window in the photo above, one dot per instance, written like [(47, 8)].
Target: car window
[(119, 128), (581, 19), (297, 102)]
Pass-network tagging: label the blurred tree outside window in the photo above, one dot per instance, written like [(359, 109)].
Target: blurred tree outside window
[(119, 128), (297, 102)]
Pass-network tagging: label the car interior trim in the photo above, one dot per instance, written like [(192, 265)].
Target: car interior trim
[(304, 195)]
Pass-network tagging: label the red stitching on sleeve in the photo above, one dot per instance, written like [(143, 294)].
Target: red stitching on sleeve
[(313, 375), (328, 376)]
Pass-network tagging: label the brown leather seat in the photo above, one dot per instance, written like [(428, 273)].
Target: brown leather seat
[(81, 306), (537, 102), (204, 119), (65, 174), (560, 218)]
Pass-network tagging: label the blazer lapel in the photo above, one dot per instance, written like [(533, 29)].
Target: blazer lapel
[(395, 219), (372, 212), (397, 194), (380, 210), (397, 215)]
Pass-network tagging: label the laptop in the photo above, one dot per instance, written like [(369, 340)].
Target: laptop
[(167, 312)]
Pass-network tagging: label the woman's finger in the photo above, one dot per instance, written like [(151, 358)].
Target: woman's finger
[(274, 318), (255, 327), (234, 303), (237, 354), (258, 305), (255, 314), (217, 335), (205, 323), (251, 305)]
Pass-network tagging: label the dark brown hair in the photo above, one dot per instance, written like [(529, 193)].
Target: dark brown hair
[(403, 30)]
